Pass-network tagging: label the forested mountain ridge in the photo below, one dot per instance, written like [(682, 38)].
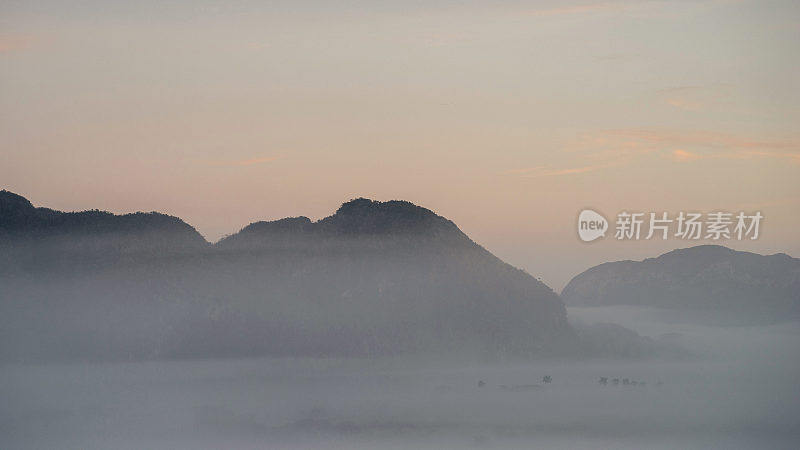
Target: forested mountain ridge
[(701, 278), (374, 278)]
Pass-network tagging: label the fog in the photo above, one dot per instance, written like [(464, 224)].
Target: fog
[(737, 389), (381, 326), (372, 280)]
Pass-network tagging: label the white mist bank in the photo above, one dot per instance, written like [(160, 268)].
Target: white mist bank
[(740, 395), (771, 344)]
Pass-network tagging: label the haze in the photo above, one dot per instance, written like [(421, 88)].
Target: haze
[(507, 118), (384, 325)]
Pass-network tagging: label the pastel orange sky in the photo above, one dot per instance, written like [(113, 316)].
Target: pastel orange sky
[(506, 117)]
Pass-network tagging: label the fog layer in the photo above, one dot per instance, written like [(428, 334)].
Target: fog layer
[(737, 392)]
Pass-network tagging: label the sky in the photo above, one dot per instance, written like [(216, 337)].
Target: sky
[(507, 117)]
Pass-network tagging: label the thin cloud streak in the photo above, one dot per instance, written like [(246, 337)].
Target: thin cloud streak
[(656, 138), (244, 162), (526, 170), (610, 148), (793, 157), (682, 103), (699, 98), (684, 156), (713, 144), (14, 43), (543, 171), (576, 9)]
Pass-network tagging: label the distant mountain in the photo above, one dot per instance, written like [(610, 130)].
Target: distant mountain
[(375, 278), (360, 218), (387, 277), (41, 237), (706, 278)]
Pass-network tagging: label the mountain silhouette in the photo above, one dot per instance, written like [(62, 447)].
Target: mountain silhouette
[(41, 237), (375, 278), (707, 278)]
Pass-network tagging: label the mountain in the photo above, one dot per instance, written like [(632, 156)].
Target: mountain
[(360, 218), (386, 277), (44, 238), (708, 278), (373, 279)]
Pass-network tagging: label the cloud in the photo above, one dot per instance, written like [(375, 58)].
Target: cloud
[(617, 57), (526, 170), (698, 98), (664, 138), (14, 43), (244, 162), (791, 156), (693, 145), (610, 148), (682, 103), (793, 200), (546, 171), (684, 156), (576, 9)]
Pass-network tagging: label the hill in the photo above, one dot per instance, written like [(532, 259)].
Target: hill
[(703, 279), (44, 239), (374, 278)]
